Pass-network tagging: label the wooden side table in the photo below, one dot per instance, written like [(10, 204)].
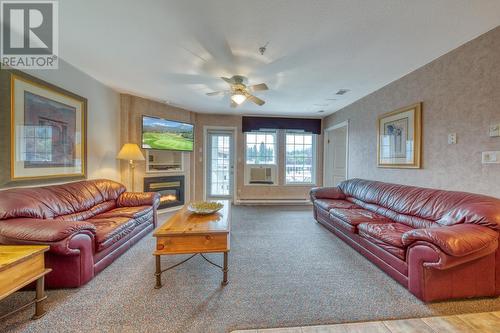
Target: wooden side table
[(20, 265)]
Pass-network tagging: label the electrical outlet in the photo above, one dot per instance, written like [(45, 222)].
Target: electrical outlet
[(491, 157), (452, 138), (495, 130)]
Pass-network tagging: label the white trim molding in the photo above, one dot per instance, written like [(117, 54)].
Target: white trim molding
[(267, 202), (325, 145), (234, 130)]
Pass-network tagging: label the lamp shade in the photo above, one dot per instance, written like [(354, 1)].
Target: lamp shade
[(131, 152)]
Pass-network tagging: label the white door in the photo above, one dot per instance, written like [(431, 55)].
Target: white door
[(336, 153), (220, 164)]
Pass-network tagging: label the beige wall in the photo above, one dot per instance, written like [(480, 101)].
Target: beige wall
[(249, 192), (103, 118), (133, 108), (460, 92)]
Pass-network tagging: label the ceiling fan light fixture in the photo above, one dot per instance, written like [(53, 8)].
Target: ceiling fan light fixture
[(238, 98)]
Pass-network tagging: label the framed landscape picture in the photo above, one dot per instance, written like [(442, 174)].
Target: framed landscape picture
[(48, 130), (400, 138)]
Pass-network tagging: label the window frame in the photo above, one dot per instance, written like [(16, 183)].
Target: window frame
[(314, 157), (275, 144)]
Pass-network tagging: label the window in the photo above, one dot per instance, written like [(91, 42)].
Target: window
[(261, 148), (300, 158), (38, 144)]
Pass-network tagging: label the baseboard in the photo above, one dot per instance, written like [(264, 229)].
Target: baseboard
[(300, 202), (304, 202)]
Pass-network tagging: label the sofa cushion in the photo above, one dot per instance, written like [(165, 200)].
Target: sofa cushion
[(412, 221), (355, 216), (456, 240), (328, 204), (35, 230), (111, 230), (390, 233), (388, 236), (48, 202), (88, 214), (480, 213), (130, 212), (326, 193), (398, 252), (444, 207), (134, 199)]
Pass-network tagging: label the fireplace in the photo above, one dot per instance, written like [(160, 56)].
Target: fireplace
[(171, 189)]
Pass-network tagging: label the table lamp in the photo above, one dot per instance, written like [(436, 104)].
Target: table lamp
[(131, 152)]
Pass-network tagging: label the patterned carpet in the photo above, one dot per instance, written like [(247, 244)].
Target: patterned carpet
[(285, 270)]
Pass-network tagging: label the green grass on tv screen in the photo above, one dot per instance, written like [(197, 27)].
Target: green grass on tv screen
[(170, 141)]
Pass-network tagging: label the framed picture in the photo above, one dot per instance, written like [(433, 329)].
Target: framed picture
[(400, 138), (48, 130)]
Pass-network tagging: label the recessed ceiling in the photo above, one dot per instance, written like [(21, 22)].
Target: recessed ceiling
[(177, 50)]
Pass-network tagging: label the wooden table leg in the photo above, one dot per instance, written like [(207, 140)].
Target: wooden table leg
[(39, 298), (158, 272), (224, 270)]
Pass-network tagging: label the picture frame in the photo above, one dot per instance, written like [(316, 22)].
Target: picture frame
[(48, 131), (399, 138)]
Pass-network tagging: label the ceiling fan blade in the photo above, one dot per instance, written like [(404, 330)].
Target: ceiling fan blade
[(259, 87), (230, 81), (256, 100), (207, 40), (233, 104), (188, 78), (215, 93)]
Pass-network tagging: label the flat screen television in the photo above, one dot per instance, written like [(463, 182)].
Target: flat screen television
[(163, 134)]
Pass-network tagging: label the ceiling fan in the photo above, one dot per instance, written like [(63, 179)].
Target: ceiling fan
[(240, 92)]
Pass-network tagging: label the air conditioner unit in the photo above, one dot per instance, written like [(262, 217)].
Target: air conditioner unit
[(261, 175)]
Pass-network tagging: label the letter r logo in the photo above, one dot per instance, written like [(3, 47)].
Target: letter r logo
[(28, 27)]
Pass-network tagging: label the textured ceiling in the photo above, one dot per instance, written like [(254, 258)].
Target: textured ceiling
[(177, 50)]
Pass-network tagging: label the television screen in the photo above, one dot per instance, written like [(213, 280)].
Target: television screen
[(158, 133)]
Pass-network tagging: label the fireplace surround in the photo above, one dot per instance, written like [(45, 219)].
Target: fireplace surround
[(170, 188)]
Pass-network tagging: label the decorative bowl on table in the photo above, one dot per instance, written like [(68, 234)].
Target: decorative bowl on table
[(205, 207)]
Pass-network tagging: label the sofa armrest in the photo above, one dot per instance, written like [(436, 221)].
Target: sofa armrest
[(457, 240), (134, 199), (326, 193), (43, 231)]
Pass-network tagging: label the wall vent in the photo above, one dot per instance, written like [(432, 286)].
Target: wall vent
[(342, 91)]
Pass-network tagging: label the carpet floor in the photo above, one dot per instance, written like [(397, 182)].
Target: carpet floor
[(284, 270)]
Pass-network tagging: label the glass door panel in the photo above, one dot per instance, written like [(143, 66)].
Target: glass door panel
[(219, 164)]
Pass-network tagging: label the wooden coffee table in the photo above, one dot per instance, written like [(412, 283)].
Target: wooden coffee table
[(188, 233), (20, 265)]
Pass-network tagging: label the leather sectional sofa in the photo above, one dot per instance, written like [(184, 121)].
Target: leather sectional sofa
[(88, 224), (438, 244)]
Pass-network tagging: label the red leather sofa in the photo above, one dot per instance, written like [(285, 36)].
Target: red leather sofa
[(88, 224), (438, 244)]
